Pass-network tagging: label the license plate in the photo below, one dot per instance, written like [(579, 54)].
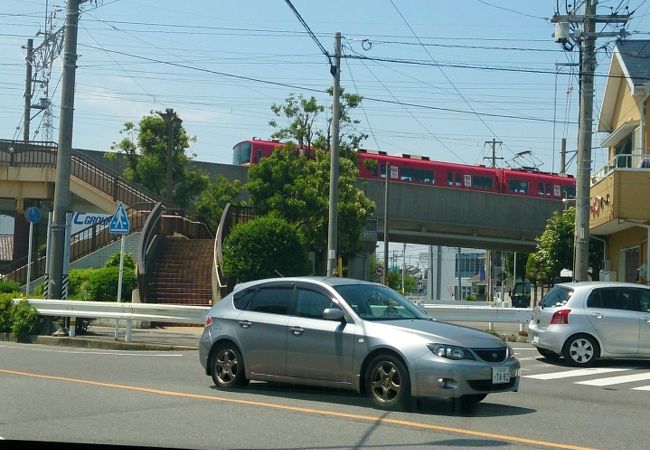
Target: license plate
[(500, 375)]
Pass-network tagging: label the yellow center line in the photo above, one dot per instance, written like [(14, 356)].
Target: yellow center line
[(322, 412)]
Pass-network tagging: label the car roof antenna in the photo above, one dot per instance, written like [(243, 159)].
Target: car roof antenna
[(276, 271)]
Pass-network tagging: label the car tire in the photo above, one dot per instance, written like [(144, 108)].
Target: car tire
[(387, 383), (228, 367), (581, 350), (547, 353), (469, 402)]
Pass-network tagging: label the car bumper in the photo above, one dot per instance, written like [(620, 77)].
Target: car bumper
[(550, 338), (440, 377), (205, 343)]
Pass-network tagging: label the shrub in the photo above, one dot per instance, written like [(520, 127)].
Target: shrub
[(114, 261), (264, 247), (6, 309), (76, 279), (9, 286), (24, 320), (102, 284)]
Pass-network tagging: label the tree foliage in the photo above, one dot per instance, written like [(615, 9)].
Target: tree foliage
[(296, 186), (555, 247), (145, 148), (303, 115), (268, 246), (212, 201)]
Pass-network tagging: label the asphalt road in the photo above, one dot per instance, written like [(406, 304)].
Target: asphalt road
[(163, 399)]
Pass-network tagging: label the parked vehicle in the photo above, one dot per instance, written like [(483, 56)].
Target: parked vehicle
[(344, 333), (520, 294), (589, 320)]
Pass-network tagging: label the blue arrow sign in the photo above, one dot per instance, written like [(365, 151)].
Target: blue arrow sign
[(120, 221)]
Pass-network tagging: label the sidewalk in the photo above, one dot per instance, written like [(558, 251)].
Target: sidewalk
[(156, 339)]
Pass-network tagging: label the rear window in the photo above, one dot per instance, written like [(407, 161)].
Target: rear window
[(558, 296)]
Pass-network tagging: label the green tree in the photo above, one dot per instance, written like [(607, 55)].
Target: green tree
[(145, 148), (303, 115), (212, 201), (297, 187), (555, 248), (268, 246)]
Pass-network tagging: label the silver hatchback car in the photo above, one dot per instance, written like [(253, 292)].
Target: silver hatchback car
[(586, 321), (344, 333)]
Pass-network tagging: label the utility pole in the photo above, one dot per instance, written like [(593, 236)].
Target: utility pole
[(28, 89), (460, 286), (332, 239), (494, 158), (62, 186), (172, 121), (385, 277), (587, 43), (488, 253), (404, 269)]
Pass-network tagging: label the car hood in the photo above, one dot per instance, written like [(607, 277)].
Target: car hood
[(447, 333)]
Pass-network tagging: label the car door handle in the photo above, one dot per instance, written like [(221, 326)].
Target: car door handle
[(296, 331), (245, 324), (599, 315)]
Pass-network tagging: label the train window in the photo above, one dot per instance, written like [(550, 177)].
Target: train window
[(544, 189), (482, 182), (418, 175), (556, 190), (518, 186), (548, 188), (383, 171), (241, 153), (260, 155), (568, 192), (453, 178)]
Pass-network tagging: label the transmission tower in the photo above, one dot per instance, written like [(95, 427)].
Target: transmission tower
[(40, 61)]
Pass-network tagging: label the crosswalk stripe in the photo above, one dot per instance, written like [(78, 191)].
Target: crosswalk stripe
[(616, 380), (574, 373), (642, 388)]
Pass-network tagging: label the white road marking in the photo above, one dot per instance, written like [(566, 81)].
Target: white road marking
[(574, 373), (642, 388), (616, 380)]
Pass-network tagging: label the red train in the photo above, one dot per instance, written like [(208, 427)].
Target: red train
[(421, 170)]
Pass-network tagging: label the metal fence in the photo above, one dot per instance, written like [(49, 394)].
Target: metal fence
[(196, 314)]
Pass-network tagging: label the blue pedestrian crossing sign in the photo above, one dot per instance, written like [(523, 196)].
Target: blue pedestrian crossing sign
[(120, 221)]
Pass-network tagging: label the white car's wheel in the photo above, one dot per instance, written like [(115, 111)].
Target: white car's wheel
[(581, 350)]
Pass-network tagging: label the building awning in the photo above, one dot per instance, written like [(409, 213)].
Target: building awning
[(620, 133)]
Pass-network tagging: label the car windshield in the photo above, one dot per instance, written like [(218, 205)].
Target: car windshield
[(558, 296), (376, 302)]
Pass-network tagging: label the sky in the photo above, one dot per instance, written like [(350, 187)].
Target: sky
[(439, 78)]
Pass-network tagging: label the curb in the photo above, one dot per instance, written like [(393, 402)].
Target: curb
[(107, 345)]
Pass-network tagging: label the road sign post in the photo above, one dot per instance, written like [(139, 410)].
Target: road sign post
[(33, 215), (120, 225)]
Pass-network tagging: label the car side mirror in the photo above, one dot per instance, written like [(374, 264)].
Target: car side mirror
[(335, 314)]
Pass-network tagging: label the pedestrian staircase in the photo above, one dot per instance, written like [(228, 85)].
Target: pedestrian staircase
[(182, 272)]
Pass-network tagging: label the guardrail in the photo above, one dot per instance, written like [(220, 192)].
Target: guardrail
[(457, 313), (152, 312), (155, 312)]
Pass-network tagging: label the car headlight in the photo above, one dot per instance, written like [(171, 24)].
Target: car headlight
[(450, 351)]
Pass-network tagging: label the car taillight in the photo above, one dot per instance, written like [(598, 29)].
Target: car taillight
[(560, 317), (208, 321)]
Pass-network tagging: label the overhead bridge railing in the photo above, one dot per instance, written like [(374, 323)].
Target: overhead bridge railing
[(196, 314), (91, 171)]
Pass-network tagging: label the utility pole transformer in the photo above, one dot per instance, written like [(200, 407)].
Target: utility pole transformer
[(64, 151), (332, 238), (587, 43)]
